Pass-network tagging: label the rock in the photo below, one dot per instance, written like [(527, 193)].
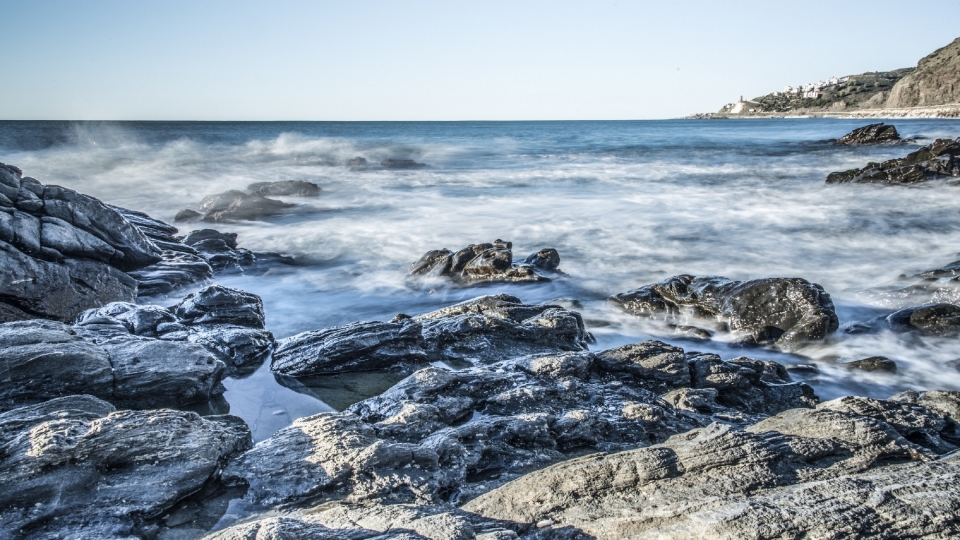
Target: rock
[(235, 205), (284, 188), (357, 162), (780, 311), (937, 160), (63, 457), (289, 528), (221, 251), (932, 83), (217, 304), (843, 468), (493, 328), (358, 346), (187, 215), (874, 363), (928, 320), (484, 263), (871, 134), (442, 436), (401, 164), (62, 252)]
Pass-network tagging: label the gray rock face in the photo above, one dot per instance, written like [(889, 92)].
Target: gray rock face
[(484, 263), (872, 134), (221, 251), (816, 473), (284, 188), (928, 320), (934, 161), (75, 468), (62, 252), (493, 328), (235, 205), (353, 347), (780, 311), (444, 436)]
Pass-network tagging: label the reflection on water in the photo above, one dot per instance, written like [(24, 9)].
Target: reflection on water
[(342, 390)]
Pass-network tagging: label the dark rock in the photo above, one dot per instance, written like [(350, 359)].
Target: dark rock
[(874, 363), (187, 215), (801, 473), (62, 458), (871, 134), (934, 161), (217, 304), (221, 252), (62, 252), (484, 263), (235, 205), (928, 320), (780, 311), (442, 435), (401, 164), (284, 188), (357, 162), (357, 346), (493, 328)]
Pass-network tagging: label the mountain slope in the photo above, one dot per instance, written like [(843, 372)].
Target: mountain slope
[(936, 81)]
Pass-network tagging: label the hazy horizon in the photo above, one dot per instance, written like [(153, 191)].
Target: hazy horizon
[(429, 61)]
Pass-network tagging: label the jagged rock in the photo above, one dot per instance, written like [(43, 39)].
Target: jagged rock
[(353, 347), (235, 205), (780, 311), (444, 436), (284, 188), (221, 251), (217, 304), (65, 457), (484, 263), (928, 320), (493, 328), (803, 472), (62, 252), (937, 160), (871, 134), (401, 164), (873, 363)]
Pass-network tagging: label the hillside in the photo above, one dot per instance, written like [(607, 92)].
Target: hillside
[(930, 89)]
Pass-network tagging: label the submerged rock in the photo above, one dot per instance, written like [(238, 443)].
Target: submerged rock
[(872, 134), (803, 472), (873, 363), (235, 205), (401, 164), (484, 263), (940, 319), (357, 162), (780, 311), (937, 160), (445, 436), (62, 252), (284, 188), (74, 467)]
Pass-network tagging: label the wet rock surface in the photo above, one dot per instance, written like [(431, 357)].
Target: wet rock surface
[(939, 319), (934, 161), (74, 467), (443, 436), (483, 330), (484, 263), (224, 256), (843, 468), (62, 252), (234, 205), (135, 356), (284, 188), (872, 134), (779, 311)]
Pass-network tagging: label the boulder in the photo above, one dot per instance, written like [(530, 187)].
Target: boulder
[(66, 456), (284, 188), (940, 319), (872, 134), (443, 436), (235, 205), (779, 311), (221, 252), (934, 161), (484, 263), (873, 363), (843, 468), (62, 252)]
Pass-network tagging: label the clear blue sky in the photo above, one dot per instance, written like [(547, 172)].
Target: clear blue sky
[(433, 60)]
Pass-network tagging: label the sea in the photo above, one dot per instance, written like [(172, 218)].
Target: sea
[(625, 203)]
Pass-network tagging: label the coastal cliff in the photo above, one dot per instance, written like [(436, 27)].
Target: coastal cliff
[(932, 89)]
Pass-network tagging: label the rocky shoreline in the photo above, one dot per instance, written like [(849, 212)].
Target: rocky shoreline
[(532, 435)]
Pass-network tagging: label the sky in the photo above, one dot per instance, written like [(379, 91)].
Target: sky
[(433, 60)]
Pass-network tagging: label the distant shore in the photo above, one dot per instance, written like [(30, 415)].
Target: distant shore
[(938, 111)]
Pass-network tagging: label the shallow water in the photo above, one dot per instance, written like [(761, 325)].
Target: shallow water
[(625, 203)]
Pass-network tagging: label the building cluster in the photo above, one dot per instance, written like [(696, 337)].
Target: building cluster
[(812, 90)]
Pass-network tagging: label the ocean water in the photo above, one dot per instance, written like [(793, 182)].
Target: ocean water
[(625, 203)]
